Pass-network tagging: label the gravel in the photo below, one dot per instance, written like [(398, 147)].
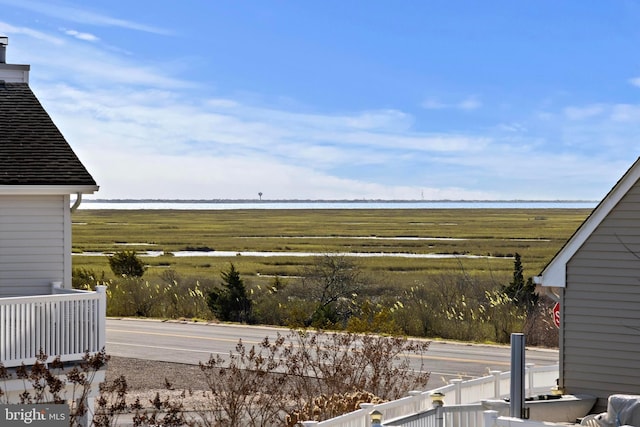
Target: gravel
[(146, 378), (150, 374)]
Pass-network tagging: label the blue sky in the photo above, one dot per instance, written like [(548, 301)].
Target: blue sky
[(338, 99)]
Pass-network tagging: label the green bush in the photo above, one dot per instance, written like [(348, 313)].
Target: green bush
[(269, 303), (85, 278), (126, 263)]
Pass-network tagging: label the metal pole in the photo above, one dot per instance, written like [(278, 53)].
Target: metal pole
[(516, 401)]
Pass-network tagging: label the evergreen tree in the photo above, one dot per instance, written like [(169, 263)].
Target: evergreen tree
[(521, 292), (230, 302)]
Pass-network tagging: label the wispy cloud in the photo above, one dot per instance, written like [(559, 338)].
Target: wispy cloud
[(85, 63), (143, 131), (156, 135), (467, 104), (605, 113), (626, 113), (471, 103), (584, 112), (173, 145), (81, 36), (8, 29), (82, 15)]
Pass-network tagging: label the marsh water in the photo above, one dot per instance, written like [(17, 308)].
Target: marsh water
[(319, 204)]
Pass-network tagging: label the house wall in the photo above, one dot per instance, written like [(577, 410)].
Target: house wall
[(601, 307), (34, 244)]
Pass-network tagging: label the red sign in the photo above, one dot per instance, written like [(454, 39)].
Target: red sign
[(556, 314)]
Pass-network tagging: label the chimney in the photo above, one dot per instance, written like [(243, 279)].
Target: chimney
[(4, 41), (11, 73)]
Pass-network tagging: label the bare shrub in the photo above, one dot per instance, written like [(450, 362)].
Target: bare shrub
[(111, 402), (48, 382), (166, 412), (313, 375), (331, 282), (321, 364), (280, 380), (247, 389), (539, 327)]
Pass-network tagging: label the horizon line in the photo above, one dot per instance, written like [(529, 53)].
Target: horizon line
[(133, 200)]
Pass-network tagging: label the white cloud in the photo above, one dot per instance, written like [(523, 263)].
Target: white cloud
[(81, 36), (158, 121), (8, 29), (584, 112), (144, 143), (58, 59), (626, 113), (471, 103), (467, 104), (82, 16), (144, 133), (511, 127), (433, 104)]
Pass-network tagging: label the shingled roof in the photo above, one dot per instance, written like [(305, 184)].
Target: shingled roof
[(32, 149)]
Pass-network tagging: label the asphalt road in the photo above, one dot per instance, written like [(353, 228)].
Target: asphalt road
[(191, 343)]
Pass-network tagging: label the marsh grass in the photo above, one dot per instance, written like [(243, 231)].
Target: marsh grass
[(537, 234), (435, 297)]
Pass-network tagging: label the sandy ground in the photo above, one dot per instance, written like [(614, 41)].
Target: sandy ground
[(146, 378), (151, 374)]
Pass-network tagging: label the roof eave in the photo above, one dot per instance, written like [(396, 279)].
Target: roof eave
[(555, 273), (29, 190)]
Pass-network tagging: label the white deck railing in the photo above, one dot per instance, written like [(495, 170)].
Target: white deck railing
[(462, 401), (468, 415), (67, 323)]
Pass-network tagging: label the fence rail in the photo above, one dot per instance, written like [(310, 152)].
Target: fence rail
[(67, 323), (462, 401)]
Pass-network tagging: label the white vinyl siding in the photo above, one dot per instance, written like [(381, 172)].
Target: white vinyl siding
[(601, 307), (33, 244)]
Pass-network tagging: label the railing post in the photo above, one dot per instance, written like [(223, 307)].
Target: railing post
[(496, 384), (490, 418), (102, 316), (417, 400), (458, 390), (529, 373), (365, 408)]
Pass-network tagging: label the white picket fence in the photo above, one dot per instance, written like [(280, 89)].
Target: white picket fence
[(462, 402), (66, 323)]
